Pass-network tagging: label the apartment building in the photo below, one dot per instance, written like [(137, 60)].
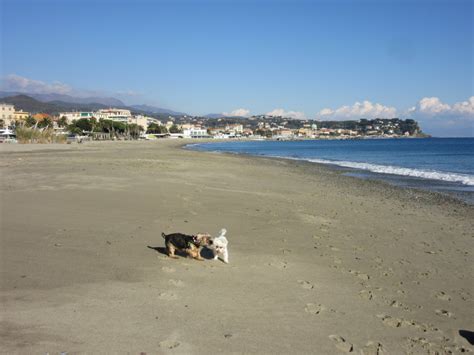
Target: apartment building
[(7, 114), (114, 114)]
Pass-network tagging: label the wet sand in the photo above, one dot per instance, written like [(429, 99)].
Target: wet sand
[(319, 262)]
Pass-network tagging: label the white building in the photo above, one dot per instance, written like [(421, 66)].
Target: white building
[(73, 116), (7, 114), (195, 133), (114, 114)]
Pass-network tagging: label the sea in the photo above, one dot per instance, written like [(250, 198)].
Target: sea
[(444, 165)]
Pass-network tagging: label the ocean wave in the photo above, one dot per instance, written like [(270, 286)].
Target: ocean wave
[(396, 170)]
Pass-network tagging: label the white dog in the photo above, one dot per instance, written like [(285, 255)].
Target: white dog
[(218, 245)]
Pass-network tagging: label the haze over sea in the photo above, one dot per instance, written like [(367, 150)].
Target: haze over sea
[(444, 165)]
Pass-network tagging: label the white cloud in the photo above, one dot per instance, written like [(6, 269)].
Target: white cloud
[(241, 112), (433, 107), (290, 114), (365, 109), (19, 83)]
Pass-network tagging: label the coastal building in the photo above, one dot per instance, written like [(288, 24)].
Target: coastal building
[(195, 132), (73, 116), (7, 114), (41, 116), (21, 115), (114, 114), (140, 120)]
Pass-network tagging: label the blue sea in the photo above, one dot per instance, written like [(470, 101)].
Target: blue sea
[(445, 165)]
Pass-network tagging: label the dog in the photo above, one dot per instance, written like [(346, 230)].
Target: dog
[(218, 245), (190, 244)]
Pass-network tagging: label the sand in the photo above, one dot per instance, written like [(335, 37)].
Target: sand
[(319, 262)]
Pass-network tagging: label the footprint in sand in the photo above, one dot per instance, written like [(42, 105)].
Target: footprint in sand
[(366, 295), (312, 308), (168, 269), (168, 296), (373, 348), (341, 343), (391, 322), (360, 275), (177, 283), (443, 296), (306, 284), (399, 322), (444, 313), (421, 345), (168, 344), (280, 265), (378, 260)]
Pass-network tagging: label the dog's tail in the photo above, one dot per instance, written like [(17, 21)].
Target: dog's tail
[(222, 232), (163, 235)]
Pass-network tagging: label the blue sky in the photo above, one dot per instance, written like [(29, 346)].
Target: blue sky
[(324, 59)]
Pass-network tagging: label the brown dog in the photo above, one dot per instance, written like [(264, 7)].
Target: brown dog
[(190, 244)]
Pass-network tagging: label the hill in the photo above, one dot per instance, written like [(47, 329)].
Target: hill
[(158, 110), (106, 101)]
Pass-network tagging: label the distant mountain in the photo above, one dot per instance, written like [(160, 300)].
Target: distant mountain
[(106, 101), (154, 109), (221, 115), (214, 115), (26, 103), (29, 104)]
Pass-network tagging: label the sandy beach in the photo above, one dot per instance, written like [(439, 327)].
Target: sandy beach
[(319, 262)]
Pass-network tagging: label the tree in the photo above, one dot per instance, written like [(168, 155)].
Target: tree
[(175, 129), (62, 122), (45, 123), (156, 128), (135, 130), (30, 122)]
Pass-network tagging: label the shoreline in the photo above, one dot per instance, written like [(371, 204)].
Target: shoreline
[(366, 174), (313, 254)]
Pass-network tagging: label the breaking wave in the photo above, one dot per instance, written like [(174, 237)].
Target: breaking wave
[(464, 179)]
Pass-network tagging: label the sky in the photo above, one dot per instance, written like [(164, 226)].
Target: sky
[(326, 60)]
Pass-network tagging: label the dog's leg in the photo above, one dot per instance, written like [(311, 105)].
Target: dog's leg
[(194, 253), (225, 256), (170, 249)]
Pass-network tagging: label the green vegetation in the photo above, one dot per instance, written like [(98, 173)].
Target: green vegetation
[(155, 128), (175, 129), (34, 135), (113, 129)]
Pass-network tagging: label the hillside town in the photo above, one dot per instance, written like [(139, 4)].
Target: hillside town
[(119, 123)]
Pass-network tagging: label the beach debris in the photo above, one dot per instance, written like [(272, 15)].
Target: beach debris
[(109, 242), (314, 309), (228, 335), (57, 244), (341, 343)]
